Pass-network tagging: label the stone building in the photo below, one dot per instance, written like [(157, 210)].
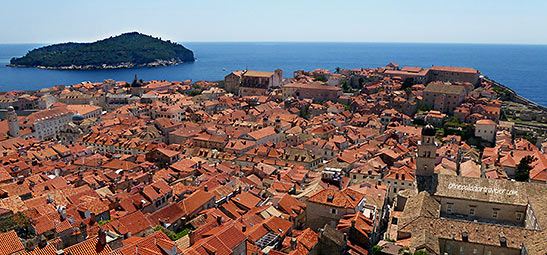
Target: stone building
[(316, 91), (451, 214), (454, 74), (48, 123), (486, 130), (427, 152), (13, 123), (252, 83), (444, 97), (329, 206)]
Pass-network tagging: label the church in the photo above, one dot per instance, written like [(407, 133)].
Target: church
[(136, 94), (449, 214)]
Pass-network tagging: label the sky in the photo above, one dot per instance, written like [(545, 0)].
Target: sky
[(431, 21)]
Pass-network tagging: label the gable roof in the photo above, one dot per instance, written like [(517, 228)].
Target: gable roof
[(10, 243), (346, 198), (190, 204)]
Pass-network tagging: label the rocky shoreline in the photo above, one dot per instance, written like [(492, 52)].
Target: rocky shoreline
[(156, 63), (518, 98)]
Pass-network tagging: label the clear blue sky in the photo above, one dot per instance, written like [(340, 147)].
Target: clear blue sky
[(464, 21)]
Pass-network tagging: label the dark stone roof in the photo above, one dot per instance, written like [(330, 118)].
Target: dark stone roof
[(429, 130)]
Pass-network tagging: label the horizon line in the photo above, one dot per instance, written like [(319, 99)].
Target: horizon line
[(348, 42)]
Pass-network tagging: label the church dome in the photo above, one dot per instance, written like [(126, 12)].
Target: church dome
[(77, 117), (428, 130)]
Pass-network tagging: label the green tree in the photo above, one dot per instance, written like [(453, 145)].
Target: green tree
[(321, 78), (376, 250), (346, 87), (523, 168), (407, 83), (337, 70), (134, 48), (424, 108)]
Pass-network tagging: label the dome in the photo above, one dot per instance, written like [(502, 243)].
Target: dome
[(77, 117), (428, 130)]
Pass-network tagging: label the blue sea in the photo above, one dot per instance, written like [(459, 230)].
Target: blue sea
[(520, 67)]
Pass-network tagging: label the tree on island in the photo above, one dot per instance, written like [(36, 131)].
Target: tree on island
[(523, 168), (129, 49), (337, 70)]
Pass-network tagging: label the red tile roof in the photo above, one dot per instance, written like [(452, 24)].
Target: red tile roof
[(346, 198), (192, 203), (91, 246), (10, 243)]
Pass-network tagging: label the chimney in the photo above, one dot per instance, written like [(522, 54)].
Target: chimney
[(503, 241), (83, 230), (465, 237), (42, 242), (102, 237), (244, 228), (219, 220), (206, 188), (293, 243)]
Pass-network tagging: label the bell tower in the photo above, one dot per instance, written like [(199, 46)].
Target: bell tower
[(136, 87), (427, 152), (13, 123)]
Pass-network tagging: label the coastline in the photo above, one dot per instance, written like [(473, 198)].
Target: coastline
[(157, 63), (518, 98)]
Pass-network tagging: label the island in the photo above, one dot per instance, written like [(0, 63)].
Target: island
[(127, 50)]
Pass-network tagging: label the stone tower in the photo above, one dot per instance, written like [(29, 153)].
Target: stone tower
[(136, 87), (13, 123), (427, 152)]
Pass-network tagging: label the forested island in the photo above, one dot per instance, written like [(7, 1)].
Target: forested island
[(123, 51)]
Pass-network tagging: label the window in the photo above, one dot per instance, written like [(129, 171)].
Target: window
[(333, 211), (472, 211), (461, 250), (495, 213), (475, 251), (449, 208), (519, 216)]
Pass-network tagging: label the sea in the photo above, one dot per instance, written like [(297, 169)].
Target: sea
[(520, 67)]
